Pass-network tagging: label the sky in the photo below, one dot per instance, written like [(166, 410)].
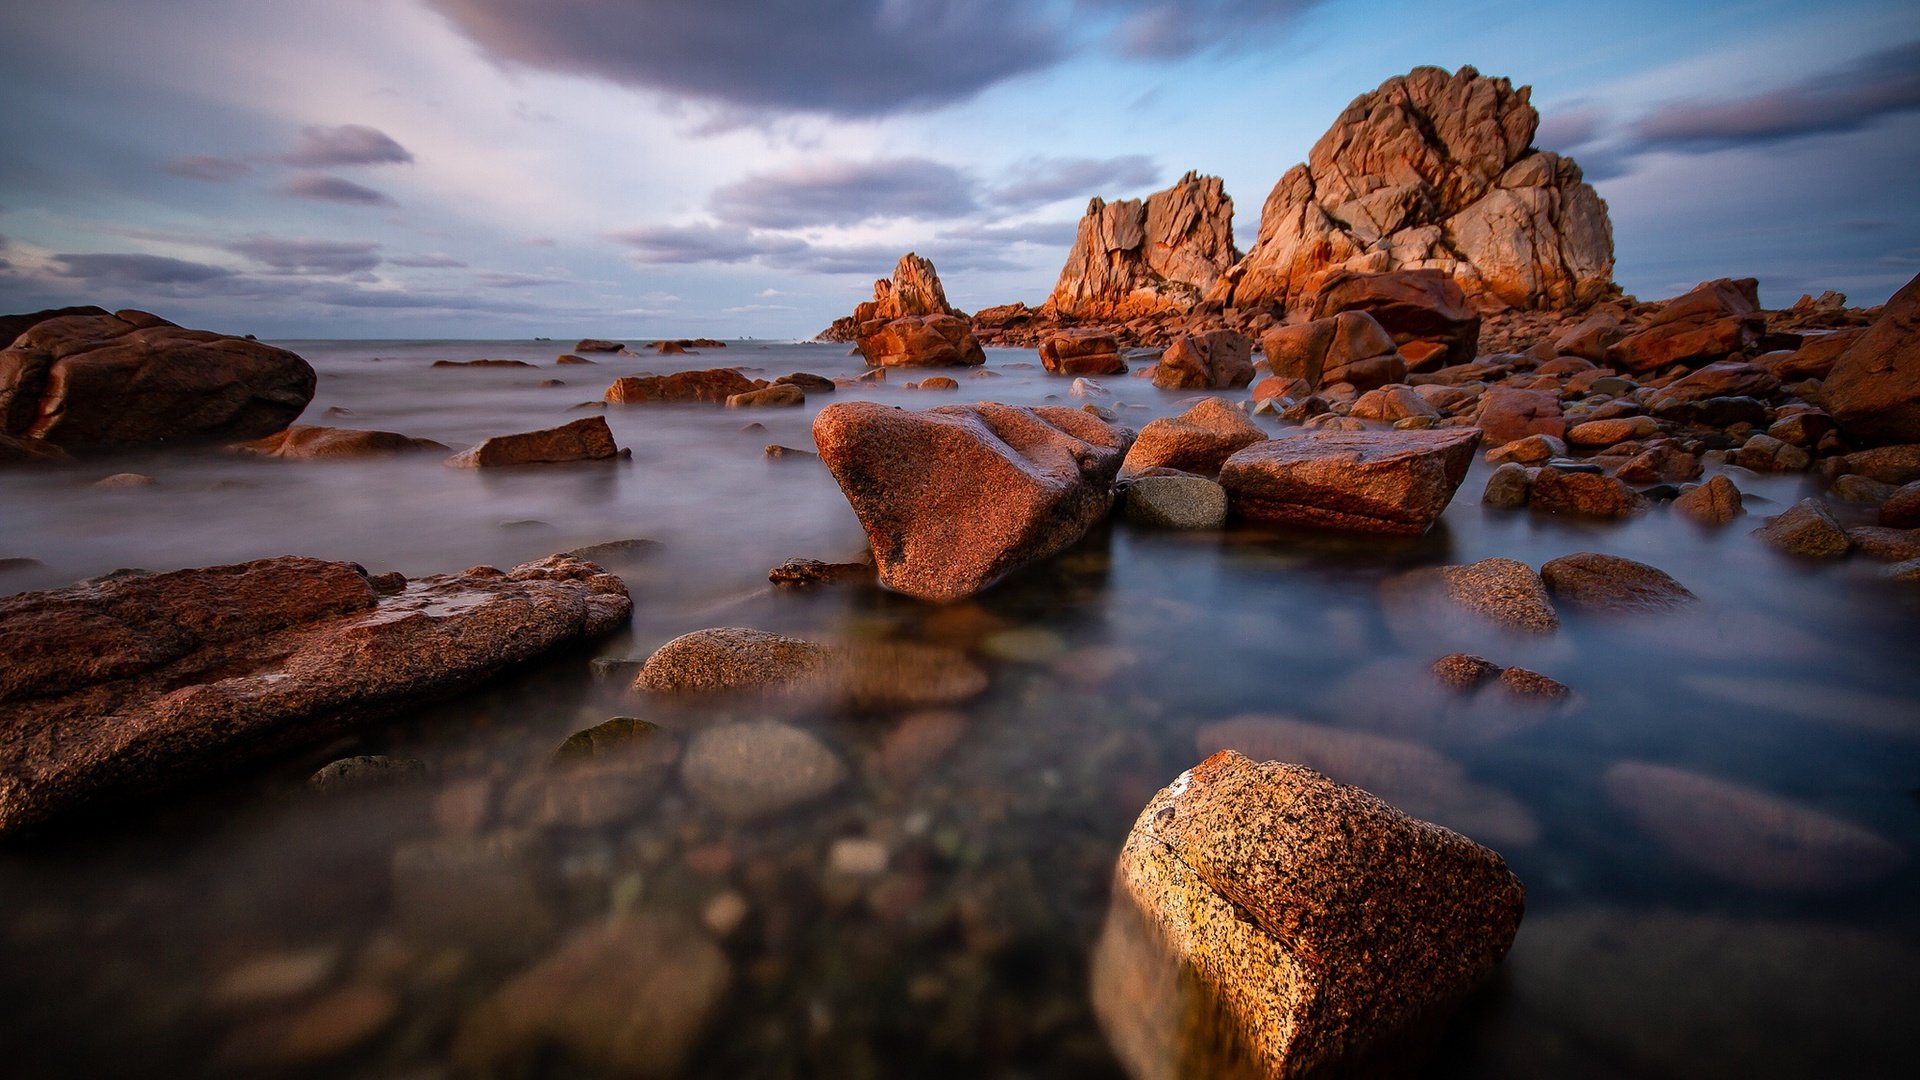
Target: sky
[(642, 168)]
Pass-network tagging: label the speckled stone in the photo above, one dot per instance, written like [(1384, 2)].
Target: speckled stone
[(758, 768), (1715, 502), (957, 497), (1268, 921), (1582, 494), (1197, 441), (1888, 545), (1364, 481), (730, 658), (861, 675), (1505, 592), (1464, 671), (1176, 502), (1591, 581), (1806, 529), (1508, 487)]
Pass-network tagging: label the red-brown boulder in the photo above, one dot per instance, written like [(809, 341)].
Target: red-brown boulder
[(1362, 481), (1412, 305), (1214, 360), (1874, 389), (714, 385), (1350, 347), (1718, 318), (920, 341), (1082, 352)]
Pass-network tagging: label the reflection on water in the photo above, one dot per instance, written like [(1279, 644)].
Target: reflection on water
[(932, 910)]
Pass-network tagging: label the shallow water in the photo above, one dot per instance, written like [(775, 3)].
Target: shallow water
[(255, 927)]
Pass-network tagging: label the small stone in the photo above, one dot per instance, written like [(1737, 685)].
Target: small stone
[(1508, 487), (1532, 686), (1464, 671), (857, 857), (366, 773), (1715, 502), (809, 573)]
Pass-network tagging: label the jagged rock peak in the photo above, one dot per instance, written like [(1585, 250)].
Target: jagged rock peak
[(1434, 169), (1135, 257), (915, 290)]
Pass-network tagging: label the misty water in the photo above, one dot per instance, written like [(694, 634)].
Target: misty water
[(253, 927)]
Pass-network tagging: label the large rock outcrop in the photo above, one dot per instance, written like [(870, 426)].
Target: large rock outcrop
[(915, 290), (1134, 257), (957, 497), (1874, 389), (1268, 922), (136, 682), (99, 381), (1433, 170)]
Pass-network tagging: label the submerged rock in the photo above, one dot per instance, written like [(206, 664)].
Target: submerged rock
[(1364, 481), (731, 658), (1591, 581), (308, 441), (365, 773), (1505, 592), (1176, 502), (757, 768), (713, 386), (1269, 922), (956, 497), (862, 675), (152, 680), (586, 439)]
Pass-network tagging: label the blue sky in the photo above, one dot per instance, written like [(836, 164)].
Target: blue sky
[(502, 168)]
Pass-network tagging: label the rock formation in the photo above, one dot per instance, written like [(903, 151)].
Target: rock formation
[(914, 290), (97, 381), (1134, 258), (1874, 389), (919, 341), (1433, 170)]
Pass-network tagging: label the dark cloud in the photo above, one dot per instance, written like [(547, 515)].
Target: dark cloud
[(334, 189), (844, 57), (426, 262), (1169, 29), (499, 280), (218, 170), (309, 258), (965, 248), (1877, 85), (1569, 128), (819, 193), (349, 144), (663, 245), (1039, 181), (132, 270)]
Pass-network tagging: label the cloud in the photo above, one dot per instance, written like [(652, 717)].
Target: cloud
[(816, 193), (426, 262), (841, 57), (309, 258), (349, 144), (1874, 86), (493, 279), (1038, 181), (702, 243), (1170, 29), (207, 167), (132, 270), (1569, 128), (334, 189)]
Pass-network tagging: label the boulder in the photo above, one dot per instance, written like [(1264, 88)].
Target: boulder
[(1590, 581), (779, 395), (1873, 391), (586, 439), (1392, 404), (97, 382), (309, 441), (1212, 360), (1365, 481), (1176, 502), (1433, 170), (1269, 922), (1715, 502), (1507, 414), (1082, 352), (1134, 258), (1504, 592), (1901, 510), (1815, 357), (1198, 441), (731, 658), (12, 326), (598, 345), (1351, 347), (1806, 529), (1717, 319), (714, 385), (1584, 494), (154, 680), (956, 497), (920, 341), (915, 290), (1416, 307)]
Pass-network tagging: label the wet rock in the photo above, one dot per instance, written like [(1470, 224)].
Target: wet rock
[(1723, 379), (586, 439), (1582, 494), (955, 498), (758, 768), (1861, 489), (1661, 462), (1715, 502), (776, 452), (1908, 571), (1873, 392), (1807, 530), (807, 382), (1464, 671), (125, 480), (481, 364), (366, 773), (631, 996), (1267, 921), (1198, 441), (1350, 347), (863, 675), (731, 658), (1891, 545), (1532, 686), (154, 680), (1749, 837), (1214, 360), (1176, 502), (1507, 414), (1505, 592), (714, 386), (307, 441), (808, 573), (1718, 318), (1508, 487), (1082, 352), (1590, 581), (1888, 464), (1373, 481), (937, 382), (920, 341), (779, 395), (617, 736), (98, 381), (569, 358), (611, 772)]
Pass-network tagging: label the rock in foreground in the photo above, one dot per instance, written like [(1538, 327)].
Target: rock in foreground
[(1267, 921), (1364, 481), (88, 382), (957, 497), (134, 683)]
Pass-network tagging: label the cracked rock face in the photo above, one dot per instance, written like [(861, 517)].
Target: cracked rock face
[(132, 683), (1267, 921), (1433, 170), (1136, 257)]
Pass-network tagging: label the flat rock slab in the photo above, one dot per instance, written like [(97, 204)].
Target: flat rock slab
[(1363, 481), (134, 683), (956, 497)]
